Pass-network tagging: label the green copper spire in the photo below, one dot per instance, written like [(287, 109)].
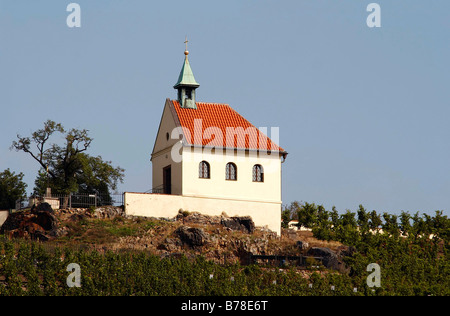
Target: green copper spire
[(186, 84), (186, 77)]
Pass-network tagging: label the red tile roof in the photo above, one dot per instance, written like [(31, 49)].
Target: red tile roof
[(221, 126)]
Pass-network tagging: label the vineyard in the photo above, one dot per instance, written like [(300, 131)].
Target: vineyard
[(414, 265), (28, 269)]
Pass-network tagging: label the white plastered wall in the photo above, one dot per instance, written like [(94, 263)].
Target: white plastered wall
[(241, 189)]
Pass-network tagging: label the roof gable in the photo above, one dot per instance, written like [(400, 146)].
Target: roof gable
[(166, 124)]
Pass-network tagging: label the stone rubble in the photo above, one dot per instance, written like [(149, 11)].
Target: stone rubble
[(218, 238)]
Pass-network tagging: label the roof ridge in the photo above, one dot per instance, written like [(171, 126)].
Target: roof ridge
[(212, 103)]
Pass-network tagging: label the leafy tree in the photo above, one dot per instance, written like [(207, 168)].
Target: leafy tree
[(418, 227), (41, 183), (334, 217), (405, 223), (348, 219), (98, 175), (363, 219), (94, 176), (390, 224), (285, 217), (322, 229), (307, 214), (68, 167), (322, 216), (12, 188), (375, 220), (322, 232), (441, 225)]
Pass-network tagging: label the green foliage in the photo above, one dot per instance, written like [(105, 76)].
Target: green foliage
[(412, 264), (67, 167), (97, 176), (412, 250), (285, 218), (12, 188), (306, 213)]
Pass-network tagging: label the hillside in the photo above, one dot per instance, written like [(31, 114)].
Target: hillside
[(194, 254), (218, 238), (221, 239)]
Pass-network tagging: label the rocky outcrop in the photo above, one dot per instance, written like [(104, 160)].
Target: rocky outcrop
[(193, 237), (243, 223), (217, 243), (40, 223), (45, 216), (102, 212), (108, 212), (188, 218), (332, 259), (221, 238), (170, 245)]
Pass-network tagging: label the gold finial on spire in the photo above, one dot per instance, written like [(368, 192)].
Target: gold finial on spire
[(186, 52)]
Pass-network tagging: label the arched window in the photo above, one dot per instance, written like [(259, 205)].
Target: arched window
[(204, 170), (231, 171), (258, 173)]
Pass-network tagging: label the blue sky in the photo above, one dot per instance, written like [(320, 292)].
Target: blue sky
[(363, 112)]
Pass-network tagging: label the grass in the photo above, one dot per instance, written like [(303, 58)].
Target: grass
[(105, 231), (307, 236)]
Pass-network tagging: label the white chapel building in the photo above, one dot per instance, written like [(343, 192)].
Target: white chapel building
[(209, 159)]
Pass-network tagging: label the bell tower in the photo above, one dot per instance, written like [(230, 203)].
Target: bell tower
[(186, 84)]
